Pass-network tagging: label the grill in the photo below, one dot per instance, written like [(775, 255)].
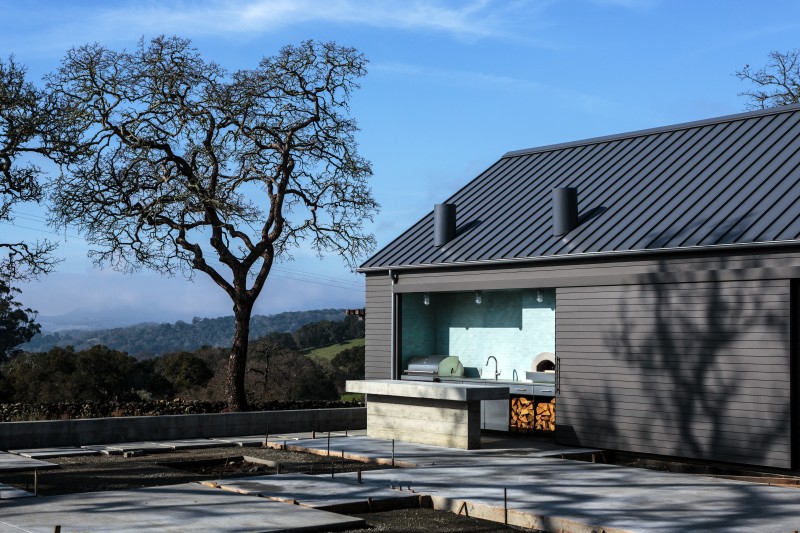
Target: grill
[(431, 367)]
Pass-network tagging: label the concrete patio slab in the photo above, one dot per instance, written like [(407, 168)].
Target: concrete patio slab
[(252, 441), (318, 435), (409, 455), (553, 494), (556, 494), (122, 447), (10, 462), (193, 444), (189, 507), (320, 492), (50, 453), (7, 492)]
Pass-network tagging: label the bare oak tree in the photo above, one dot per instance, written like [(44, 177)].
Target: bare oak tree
[(184, 167), (21, 122), (776, 84)]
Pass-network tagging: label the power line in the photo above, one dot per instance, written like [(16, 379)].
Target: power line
[(43, 231)]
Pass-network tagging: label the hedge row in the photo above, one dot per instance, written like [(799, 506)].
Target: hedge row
[(16, 412)]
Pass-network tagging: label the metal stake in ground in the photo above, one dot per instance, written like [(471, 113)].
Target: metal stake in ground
[(505, 506), (392, 452), (266, 437), (329, 443)]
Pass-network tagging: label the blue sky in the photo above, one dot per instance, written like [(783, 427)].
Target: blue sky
[(451, 87)]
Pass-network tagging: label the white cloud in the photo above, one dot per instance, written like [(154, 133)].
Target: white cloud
[(126, 20)]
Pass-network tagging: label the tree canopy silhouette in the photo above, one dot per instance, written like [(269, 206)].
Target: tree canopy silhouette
[(22, 120), (180, 166)]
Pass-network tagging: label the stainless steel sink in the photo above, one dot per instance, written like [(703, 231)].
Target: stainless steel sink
[(541, 377)]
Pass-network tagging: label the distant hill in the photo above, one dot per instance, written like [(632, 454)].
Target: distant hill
[(148, 339)]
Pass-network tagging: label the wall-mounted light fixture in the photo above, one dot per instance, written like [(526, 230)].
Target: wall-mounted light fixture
[(539, 295), (426, 298), (478, 297)]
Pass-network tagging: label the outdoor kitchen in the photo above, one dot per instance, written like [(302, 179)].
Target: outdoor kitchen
[(491, 337), (468, 361)]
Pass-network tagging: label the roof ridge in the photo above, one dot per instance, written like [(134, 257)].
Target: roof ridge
[(651, 131)]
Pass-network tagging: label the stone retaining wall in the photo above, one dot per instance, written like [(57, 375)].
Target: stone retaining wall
[(78, 432)]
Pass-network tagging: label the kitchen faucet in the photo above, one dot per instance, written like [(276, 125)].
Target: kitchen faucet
[(496, 372)]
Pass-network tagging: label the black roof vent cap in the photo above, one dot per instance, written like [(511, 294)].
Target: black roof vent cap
[(565, 210), (444, 223)]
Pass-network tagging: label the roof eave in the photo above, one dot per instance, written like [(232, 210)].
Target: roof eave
[(586, 255)]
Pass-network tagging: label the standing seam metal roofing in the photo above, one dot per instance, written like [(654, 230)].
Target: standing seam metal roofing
[(732, 180)]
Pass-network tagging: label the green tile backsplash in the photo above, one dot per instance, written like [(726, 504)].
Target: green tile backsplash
[(510, 325)]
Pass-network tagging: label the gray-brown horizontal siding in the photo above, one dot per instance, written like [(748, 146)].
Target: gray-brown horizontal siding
[(696, 370), (378, 363)]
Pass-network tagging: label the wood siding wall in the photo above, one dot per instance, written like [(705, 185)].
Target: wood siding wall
[(694, 370), (378, 325), (692, 350)]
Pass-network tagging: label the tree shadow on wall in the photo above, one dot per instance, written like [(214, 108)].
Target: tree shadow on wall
[(697, 370)]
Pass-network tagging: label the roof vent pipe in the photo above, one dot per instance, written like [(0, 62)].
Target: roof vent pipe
[(444, 223), (565, 210)]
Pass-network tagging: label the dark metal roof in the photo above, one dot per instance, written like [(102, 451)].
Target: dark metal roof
[(732, 180)]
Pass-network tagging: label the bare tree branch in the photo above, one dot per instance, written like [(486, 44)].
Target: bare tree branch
[(172, 161), (21, 123), (776, 84)]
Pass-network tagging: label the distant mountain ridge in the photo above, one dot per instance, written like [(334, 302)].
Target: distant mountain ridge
[(149, 339)]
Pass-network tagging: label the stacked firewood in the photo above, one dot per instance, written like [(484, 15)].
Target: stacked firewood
[(546, 415), (522, 416)]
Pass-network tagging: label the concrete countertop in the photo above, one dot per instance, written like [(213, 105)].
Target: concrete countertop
[(487, 381), (459, 392)]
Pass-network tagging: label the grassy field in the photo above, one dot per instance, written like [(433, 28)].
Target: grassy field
[(329, 352)]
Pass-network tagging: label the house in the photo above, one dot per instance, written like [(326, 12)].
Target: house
[(662, 272)]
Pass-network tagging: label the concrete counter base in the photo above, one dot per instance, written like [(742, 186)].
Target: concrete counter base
[(440, 414)]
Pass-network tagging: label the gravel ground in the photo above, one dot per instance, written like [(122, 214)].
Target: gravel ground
[(115, 472), (428, 520)]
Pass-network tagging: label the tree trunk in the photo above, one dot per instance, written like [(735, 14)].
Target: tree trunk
[(237, 362)]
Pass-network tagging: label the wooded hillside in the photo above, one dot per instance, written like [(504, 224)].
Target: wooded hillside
[(147, 340)]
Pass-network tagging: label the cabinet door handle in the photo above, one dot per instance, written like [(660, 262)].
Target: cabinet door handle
[(558, 375)]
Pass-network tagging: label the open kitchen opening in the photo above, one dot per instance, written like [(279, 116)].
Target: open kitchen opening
[(489, 337)]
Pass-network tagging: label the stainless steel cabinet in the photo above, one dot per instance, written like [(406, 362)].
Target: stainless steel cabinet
[(494, 415), (544, 390)]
